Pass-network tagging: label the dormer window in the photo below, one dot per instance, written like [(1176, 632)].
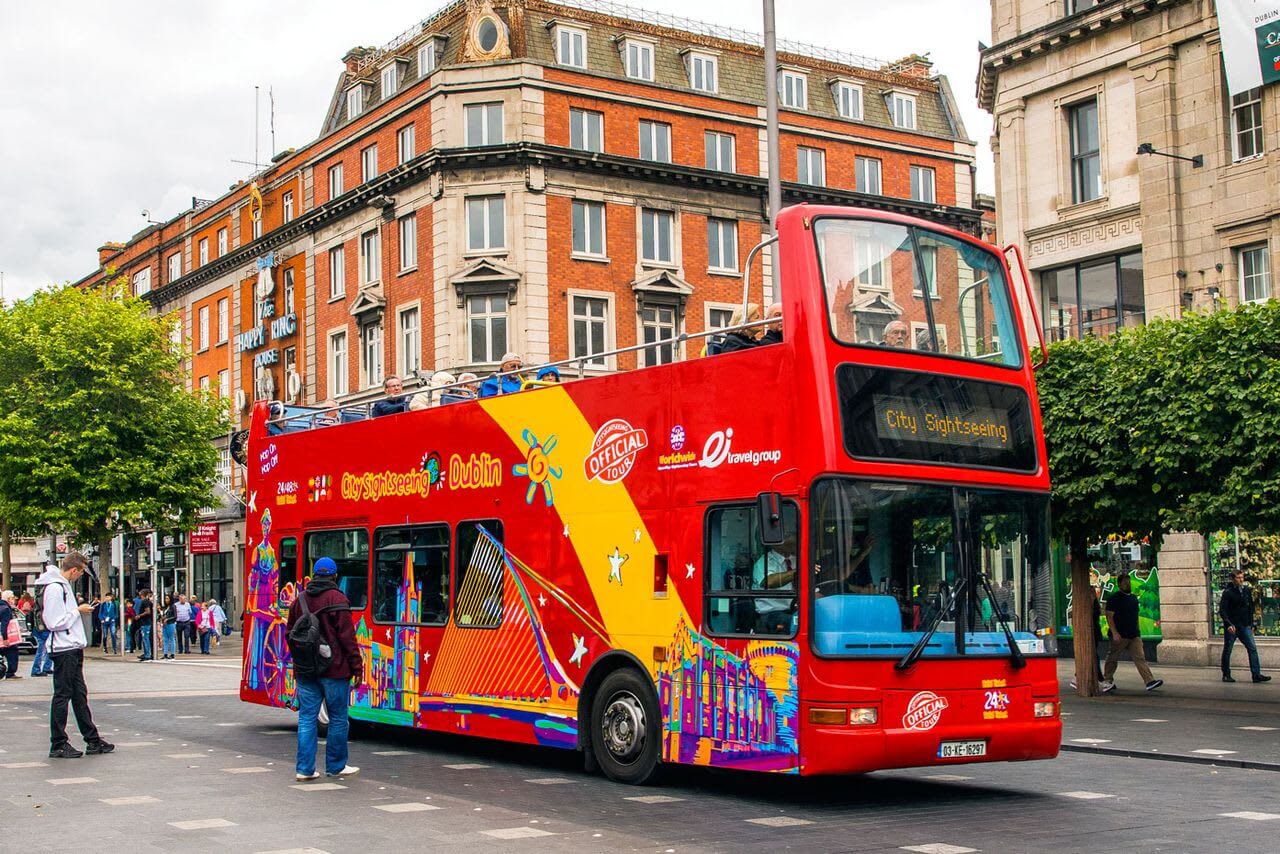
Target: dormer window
[(571, 46), (902, 109), (793, 90), (637, 59), (430, 53), (355, 100), (704, 71), (391, 78), (848, 98)]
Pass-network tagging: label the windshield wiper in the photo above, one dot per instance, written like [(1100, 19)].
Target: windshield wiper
[(1016, 658), (918, 650)]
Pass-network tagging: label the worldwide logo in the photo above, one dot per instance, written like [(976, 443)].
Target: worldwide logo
[(677, 438), (924, 711), (614, 450)]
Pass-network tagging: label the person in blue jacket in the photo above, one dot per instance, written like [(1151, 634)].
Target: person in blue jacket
[(548, 375), (512, 382)]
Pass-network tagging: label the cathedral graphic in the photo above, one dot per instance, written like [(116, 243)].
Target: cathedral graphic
[(388, 691)]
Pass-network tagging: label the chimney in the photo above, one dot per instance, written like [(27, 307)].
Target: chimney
[(352, 58), (914, 65), (107, 250)]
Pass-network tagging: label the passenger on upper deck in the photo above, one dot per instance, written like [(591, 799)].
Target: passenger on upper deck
[(742, 339), (548, 375), (329, 414), (512, 382), (895, 334), (470, 385), (396, 402), (773, 332)]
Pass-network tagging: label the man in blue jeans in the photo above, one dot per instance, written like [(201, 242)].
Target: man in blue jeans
[(1236, 610), (333, 686)]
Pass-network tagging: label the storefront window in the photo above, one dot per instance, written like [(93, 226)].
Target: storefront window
[(1258, 555), (1108, 561), (211, 578), (1093, 298)]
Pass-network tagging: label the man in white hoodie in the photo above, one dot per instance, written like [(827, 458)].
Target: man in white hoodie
[(61, 616)]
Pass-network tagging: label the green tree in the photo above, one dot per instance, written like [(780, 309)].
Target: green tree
[(98, 434)]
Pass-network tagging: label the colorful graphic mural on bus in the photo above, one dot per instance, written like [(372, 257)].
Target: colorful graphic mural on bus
[(388, 689), (267, 666)]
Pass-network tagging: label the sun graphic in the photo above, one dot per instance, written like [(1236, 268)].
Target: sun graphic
[(537, 466)]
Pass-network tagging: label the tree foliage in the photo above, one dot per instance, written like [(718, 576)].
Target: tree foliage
[(97, 431)]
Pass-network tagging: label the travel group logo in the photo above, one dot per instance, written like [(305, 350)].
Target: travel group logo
[(719, 451), (924, 711), (614, 450)]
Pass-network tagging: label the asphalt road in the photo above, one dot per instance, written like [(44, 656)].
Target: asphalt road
[(196, 770)]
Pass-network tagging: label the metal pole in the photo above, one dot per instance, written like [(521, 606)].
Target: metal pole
[(771, 113), (120, 595)]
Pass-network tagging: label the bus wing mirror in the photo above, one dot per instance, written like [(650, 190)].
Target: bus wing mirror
[(769, 509)]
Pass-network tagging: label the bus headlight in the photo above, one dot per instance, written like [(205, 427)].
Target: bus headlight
[(1046, 709), (863, 717)]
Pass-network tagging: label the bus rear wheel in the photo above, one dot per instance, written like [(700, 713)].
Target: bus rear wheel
[(625, 735)]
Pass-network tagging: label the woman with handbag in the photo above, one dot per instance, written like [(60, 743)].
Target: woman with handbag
[(10, 636)]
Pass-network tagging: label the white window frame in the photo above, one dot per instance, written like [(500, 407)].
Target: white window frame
[(224, 386), (256, 218), (704, 72), (202, 328), (793, 90), (407, 237), (807, 158), (870, 263), (722, 235), (288, 294), (488, 245), (337, 272), (389, 78), (204, 384), (202, 251), (406, 144), (372, 354), (848, 98), (336, 187), (492, 350), (142, 282), (924, 184), (590, 232), (655, 134), (339, 370), (657, 216), (370, 257), (286, 206), (586, 129), (902, 110), (1250, 101), (568, 53), (408, 341), (593, 361), (677, 319), (175, 266), (355, 101), (222, 242), (714, 150), (637, 59), (1261, 274), (920, 332), (491, 124), (426, 58), (865, 169), (368, 163), (224, 320), (725, 308)]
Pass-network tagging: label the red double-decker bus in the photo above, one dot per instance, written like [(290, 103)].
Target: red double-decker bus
[(824, 555)]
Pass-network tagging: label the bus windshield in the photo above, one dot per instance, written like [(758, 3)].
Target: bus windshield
[(877, 275), (890, 558)]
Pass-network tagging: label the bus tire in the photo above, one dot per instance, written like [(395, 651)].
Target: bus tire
[(626, 728)]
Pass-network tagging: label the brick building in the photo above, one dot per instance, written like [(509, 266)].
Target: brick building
[(552, 178)]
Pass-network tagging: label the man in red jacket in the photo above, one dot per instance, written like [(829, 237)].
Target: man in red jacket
[(333, 688)]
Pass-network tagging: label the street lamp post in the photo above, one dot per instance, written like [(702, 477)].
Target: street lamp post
[(771, 114)]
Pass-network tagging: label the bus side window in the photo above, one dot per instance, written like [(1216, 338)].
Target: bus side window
[(349, 549), (481, 568), (287, 563), (750, 587), (411, 575)]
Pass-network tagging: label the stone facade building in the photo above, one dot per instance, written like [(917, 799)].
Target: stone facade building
[(1114, 236), (554, 179)]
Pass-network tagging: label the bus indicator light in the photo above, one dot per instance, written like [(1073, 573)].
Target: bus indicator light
[(827, 717)]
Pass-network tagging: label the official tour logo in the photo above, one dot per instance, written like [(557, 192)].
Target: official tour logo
[(924, 711), (614, 450)]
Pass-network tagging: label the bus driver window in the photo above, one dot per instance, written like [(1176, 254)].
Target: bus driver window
[(751, 587)]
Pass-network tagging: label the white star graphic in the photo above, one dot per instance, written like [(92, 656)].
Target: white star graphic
[(253, 501), (616, 560), (688, 570), (426, 656), (542, 601), (579, 650), (566, 529), (637, 535)]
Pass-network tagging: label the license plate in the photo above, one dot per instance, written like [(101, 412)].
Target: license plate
[(961, 749)]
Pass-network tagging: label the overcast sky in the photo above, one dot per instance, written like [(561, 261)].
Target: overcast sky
[(107, 109)]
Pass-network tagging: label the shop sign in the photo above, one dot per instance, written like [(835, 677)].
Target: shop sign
[(1250, 43), (204, 539)]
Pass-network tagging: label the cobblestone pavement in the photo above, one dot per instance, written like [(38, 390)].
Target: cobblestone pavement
[(197, 770)]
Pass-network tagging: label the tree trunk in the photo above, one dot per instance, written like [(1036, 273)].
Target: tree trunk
[(1082, 627), (6, 567)]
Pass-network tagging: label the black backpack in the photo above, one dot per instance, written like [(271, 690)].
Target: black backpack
[(311, 653), (37, 607)]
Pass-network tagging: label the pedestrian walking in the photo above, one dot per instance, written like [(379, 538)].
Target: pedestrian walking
[(182, 612), (1236, 610), (326, 660), (208, 630), (145, 620), (169, 618), (108, 616), (130, 630), (41, 664), (1122, 620), (10, 637), (62, 618)]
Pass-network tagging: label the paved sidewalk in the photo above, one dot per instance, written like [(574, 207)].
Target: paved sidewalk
[(1195, 717)]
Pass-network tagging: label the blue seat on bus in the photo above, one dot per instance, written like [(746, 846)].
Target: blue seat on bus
[(454, 398), (855, 623)]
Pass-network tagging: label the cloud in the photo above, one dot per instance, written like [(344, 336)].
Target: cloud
[(112, 108)]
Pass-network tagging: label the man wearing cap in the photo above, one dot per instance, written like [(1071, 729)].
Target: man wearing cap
[(333, 688), (67, 641), (511, 382)]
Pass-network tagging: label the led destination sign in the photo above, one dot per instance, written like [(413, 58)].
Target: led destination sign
[(930, 418), (903, 418)]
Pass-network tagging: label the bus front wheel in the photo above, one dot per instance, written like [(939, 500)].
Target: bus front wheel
[(625, 734)]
